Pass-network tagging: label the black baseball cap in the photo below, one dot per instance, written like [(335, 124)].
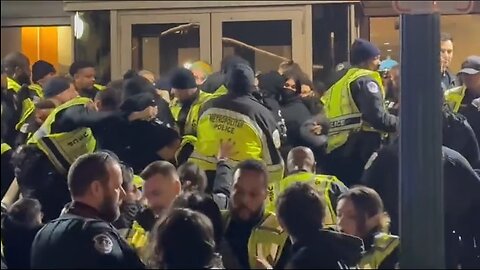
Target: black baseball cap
[(471, 66)]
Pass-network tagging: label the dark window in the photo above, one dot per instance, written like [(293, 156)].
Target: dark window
[(93, 43)]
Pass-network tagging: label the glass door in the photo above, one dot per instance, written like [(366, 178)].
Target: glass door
[(264, 36), (161, 42)]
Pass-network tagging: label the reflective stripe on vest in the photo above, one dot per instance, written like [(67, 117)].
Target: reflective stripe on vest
[(341, 110), (99, 87), (383, 246), (62, 149), (323, 184), (13, 85), (37, 89), (217, 124), (454, 97), (192, 116), (222, 90), (28, 107), (186, 140), (5, 147), (266, 241)]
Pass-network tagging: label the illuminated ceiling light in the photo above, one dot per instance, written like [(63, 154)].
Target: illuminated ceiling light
[(386, 43), (389, 50), (78, 26), (187, 65)]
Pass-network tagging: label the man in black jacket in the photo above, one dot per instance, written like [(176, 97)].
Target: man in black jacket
[(462, 203)]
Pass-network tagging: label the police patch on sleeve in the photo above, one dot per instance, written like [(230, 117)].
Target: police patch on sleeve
[(371, 160), (372, 87), (276, 138), (103, 243)]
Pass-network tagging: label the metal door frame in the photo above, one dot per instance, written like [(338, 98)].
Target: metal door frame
[(121, 32), (301, 21), (210, 21)]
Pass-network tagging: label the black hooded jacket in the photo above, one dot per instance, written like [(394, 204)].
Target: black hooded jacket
[(137, 143)]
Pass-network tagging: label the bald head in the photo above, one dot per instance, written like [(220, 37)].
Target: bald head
[(17, 67), (300, 158)]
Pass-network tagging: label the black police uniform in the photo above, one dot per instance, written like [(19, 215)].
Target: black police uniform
[(347, 162), (462, 203), (471, 112), (80, 239), (456, 126)]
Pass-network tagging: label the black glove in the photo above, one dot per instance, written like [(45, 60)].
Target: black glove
[(146, 219)]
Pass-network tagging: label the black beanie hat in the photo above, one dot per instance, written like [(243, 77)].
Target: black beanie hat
[(240, 78), (362, 50), (41, 69), (182, 79), (55, 86)]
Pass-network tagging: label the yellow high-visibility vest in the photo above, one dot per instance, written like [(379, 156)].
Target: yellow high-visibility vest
[(323, 184), (192, 116), (5, 147), (62, 149), (186, 140), (37, 89), (266, 241), (340, 108), (13, 85), (218, 124), (383, 245), (454, 97)]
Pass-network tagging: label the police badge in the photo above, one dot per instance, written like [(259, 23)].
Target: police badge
[(103, 243)]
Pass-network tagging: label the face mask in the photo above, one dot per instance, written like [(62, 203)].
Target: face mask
[(288, 93)]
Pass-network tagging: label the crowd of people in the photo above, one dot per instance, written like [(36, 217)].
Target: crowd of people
[(232, 169)]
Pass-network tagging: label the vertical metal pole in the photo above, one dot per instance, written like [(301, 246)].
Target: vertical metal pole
[(421, 171)]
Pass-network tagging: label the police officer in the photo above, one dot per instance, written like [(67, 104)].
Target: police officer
[(465, 99), (83, 74), (216, 82), (66, 133), (251, 233), (41, 72), (16, 67), (82, 237), (358, 118), (187, 102), (240, 117), (461, 189), (301, 168)]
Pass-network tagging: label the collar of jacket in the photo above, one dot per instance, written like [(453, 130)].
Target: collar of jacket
[(83, 210), (348, 247)]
